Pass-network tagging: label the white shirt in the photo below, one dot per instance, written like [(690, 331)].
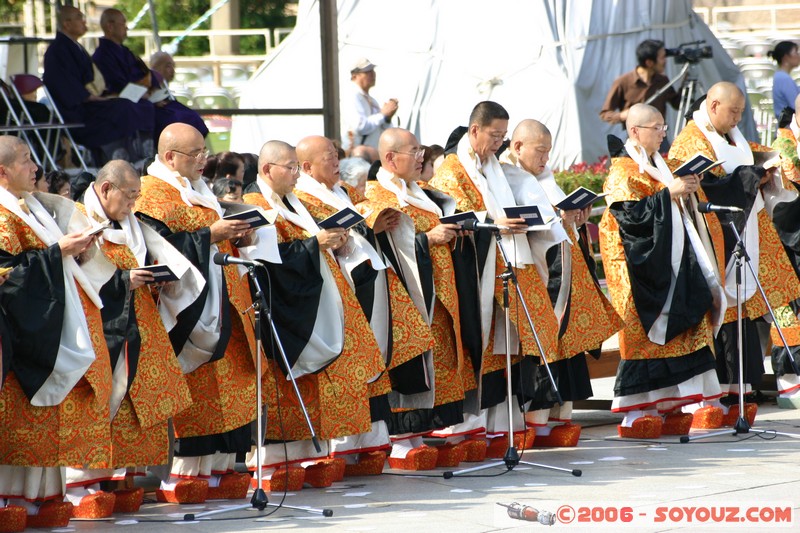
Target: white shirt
[(362, 116)]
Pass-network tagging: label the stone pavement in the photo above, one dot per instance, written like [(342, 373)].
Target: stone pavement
[(626, 485)]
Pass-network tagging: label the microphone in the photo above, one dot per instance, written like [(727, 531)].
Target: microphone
[(228, 259), (473, 225), (708, 207)]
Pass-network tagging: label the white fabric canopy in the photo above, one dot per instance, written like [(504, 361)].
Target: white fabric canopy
[(552, 60)]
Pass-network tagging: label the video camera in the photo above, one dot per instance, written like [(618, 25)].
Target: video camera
[(690, 52)]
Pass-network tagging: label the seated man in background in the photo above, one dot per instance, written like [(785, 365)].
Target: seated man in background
[(120, 67), (114, 128)]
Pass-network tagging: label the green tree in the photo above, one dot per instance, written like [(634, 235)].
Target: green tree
[(178, 14), (10, 14)]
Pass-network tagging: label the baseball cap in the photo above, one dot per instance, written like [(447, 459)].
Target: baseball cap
[(362, 65)]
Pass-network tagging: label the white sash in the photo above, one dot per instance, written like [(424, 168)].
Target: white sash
[(734, 157), (75, 351), (661, 173), (203, 339), (327, 338)]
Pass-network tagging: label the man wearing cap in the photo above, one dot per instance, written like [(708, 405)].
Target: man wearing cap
[(365, 120)]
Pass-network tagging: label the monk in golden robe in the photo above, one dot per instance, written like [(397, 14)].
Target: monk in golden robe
[(214, 337), (329, 345), (738, 182)]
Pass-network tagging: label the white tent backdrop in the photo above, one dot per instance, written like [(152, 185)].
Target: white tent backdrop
[(552, 60)]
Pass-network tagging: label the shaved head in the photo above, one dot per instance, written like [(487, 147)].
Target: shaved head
[(530, 130), (182, 149), (277, 162), (71, 22), (273, 151), (110, 15), (725, 104), (398, 150), (308, 146), (531, 144), (319, 159), (641, 114), (68, 13), (394, 139)]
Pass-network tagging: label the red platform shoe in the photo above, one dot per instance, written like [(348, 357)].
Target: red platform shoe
[(12, 519), (677, 424), (646, 427), (707, 418), (321, 474), (750, 410), (278, 481), (421, 458), (51, 514), (369, 464), (128, 500), (231, 486), (563, 436), (476, 450), (97, 505), (186, 491)]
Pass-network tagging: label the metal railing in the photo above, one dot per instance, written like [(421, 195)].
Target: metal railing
[(719, 17)]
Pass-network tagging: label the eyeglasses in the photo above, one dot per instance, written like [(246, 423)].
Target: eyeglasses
[(294, 169), (197, 157), (128, 195), (418, 155), (659, 127)]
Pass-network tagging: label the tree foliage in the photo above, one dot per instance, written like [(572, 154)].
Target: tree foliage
[(178, 14)]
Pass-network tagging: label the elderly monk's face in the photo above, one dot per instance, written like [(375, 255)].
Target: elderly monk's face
[(533, 154), (190, 158), (325, 165), (726, 114), (119, 199), (20, 174)]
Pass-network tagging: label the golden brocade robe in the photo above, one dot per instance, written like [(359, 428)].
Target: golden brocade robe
[(626, 184), (75, 432), (336, 397), (223, 392), (453, 372), (775, 271), (158, 391), (410, 334), (452, 179), (592, 318)]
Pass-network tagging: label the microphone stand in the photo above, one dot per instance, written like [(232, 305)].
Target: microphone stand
[(259, 499), (742, 426), (511, 458)]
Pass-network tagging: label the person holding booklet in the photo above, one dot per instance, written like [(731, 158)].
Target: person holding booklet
[(332, 352), (213, 337), (149, 387), (474, 178), (400, 330), (663, 282), (740, 182), (121, 67), (586, 317), (436, 391)]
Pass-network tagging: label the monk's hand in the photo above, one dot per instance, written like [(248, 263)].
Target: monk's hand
[(514, 225), (684, 186), (569, 217), (140, 278), (333, 238), (74, 244), (388, 220), (223, 230), (246, 239), (443, 233)]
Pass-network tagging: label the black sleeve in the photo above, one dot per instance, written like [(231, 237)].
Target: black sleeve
[(33, 298), (645, 227), (292, 291)]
